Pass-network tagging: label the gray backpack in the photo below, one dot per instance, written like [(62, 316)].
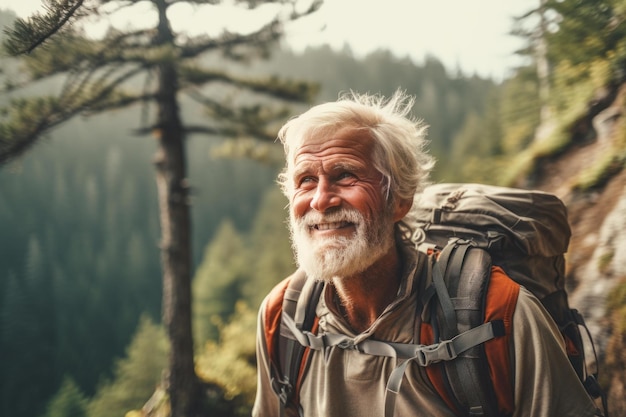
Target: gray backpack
[(526, 232), (465, 228)]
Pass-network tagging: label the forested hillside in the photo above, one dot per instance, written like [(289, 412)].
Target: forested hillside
[(79, 243), (446, 99), (80, 291)]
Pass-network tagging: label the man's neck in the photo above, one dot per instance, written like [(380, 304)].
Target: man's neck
[(365, 296)]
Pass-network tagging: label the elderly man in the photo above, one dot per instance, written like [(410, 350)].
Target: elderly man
[(352, 172)]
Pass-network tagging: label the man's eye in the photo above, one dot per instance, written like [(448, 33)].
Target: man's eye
[(345, 175), (306, 180)]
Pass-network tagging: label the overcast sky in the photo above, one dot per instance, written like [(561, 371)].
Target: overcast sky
[(470, 34)]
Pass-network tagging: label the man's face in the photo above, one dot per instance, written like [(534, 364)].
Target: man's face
[(340, 220)]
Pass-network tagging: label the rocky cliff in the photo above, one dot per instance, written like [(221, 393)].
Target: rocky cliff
[(589, 176)]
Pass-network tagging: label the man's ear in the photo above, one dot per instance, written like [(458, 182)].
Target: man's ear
[(401, 208)]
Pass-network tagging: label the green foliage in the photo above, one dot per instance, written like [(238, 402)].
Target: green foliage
[(616, 303), (83, 220), (605, 260), (587, 30), (68, 402), (54, 58), (491, 146), (108, 73), (574, 87), (218, 281), (21, 122), (270, 252), (519, 111), (231, 362), (248, 266), (27, 318), (136, 376), (586, 52), (610, 163), (241, 267), (596, 175), (83, 206), (29, 33), (477, 142)]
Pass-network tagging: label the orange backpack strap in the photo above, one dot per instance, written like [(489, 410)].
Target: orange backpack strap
[(501, 299), (289, 359), (500, 305), (273, 311)]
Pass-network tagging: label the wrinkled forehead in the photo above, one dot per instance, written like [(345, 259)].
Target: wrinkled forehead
[(316, 137), (319, 124)]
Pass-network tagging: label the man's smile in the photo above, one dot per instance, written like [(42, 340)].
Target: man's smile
[(332, 225)]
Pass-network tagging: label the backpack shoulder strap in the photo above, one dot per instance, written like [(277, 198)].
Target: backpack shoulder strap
[(470, 292), (500, 304), (289, 358), (272, 315)]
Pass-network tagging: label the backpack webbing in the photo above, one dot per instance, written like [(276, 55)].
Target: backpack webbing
[(289, 357), (462, 274), (455, 358), (468, 287), (459, 349)]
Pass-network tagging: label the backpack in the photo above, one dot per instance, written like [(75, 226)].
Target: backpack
[(475, 236)]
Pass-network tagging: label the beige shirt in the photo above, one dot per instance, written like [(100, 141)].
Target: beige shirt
[(345, 383)]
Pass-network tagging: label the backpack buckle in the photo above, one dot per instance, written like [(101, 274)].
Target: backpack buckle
[(443, 351), (283, 389), (348, 344)]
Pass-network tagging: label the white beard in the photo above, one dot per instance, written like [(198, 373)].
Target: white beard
[(339, 257)]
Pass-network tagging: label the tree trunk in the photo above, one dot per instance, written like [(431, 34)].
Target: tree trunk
[(175, 258), (175, 219), (546, 121)]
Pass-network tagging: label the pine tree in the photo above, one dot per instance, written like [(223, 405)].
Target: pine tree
[(270, 254), (135, 376), (230, 362), (69, 401), (103, 74), (218, 281)]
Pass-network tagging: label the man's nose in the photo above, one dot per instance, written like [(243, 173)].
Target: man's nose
[(325, 197)]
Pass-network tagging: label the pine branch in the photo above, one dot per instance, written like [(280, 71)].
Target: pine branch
[(119, 100), (33, 32), (268, 33), (201, 44), (295, 91), (243, 121), (97, 70), (189, 129), (28, 119)]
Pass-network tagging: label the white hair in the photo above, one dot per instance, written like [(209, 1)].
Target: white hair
[(399, 140)]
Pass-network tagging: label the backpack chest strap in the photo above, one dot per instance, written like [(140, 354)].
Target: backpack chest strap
[(423, 355)]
